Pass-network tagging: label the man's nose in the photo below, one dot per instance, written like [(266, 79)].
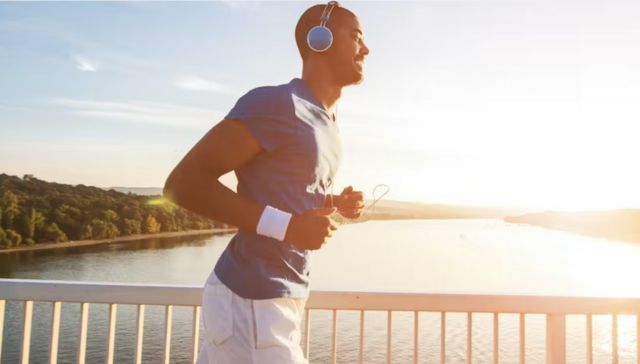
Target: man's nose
[(365, 50)]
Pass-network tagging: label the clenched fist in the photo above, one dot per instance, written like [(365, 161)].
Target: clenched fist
[(350, 203), (311, 229)]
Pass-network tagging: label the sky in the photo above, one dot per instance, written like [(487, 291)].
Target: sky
[(497, 103)]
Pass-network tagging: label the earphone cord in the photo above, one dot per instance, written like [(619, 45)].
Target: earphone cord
[(387, 189)]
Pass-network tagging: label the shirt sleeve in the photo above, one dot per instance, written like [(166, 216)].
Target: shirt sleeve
[(264, 115)]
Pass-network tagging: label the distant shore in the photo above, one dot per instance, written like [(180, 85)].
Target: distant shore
[(620, 224), (120, 239)]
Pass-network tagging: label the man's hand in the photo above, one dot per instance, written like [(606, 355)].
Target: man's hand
[(311, 229), (350, 203)]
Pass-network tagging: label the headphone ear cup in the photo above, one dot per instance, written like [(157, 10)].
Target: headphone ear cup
[(319, 38)]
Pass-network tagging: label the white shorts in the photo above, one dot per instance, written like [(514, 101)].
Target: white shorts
[(244, 331)]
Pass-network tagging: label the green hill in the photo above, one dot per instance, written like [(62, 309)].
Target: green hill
[(33, 211)]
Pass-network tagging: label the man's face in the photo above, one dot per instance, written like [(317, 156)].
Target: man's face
[(347, 53)]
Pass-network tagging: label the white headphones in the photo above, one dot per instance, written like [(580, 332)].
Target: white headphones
[(320, 38)]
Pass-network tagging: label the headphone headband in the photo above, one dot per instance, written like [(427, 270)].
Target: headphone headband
[(326, 13)]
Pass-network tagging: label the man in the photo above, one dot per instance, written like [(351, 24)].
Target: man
[(283, 144)]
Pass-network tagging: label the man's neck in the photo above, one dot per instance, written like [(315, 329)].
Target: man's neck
[(326, 92)]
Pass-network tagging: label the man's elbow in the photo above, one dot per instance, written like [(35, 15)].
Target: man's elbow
[(171, 190), (184, 187)]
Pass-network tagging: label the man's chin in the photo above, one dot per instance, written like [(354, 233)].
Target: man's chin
[(350, 77), (354, 78), (360, 78), (357, 79)]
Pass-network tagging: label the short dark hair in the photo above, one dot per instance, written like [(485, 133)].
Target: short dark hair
[(311, 17)]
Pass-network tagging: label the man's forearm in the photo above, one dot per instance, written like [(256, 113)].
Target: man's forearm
[(331, 200), (215, 201)]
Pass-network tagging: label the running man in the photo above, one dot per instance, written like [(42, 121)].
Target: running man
[(283, 144)]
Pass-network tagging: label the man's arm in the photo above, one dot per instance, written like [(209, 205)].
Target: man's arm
[(194, 184)]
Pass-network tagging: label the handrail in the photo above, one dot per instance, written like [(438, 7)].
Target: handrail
[(155, 294), (479, 303), (99, 292)]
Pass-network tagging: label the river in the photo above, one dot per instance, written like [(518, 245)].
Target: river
[(453, 256)]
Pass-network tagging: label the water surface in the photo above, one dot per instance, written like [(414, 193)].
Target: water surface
[(454, 256)]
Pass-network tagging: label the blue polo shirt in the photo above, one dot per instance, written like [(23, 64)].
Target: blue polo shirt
[(301, 153)]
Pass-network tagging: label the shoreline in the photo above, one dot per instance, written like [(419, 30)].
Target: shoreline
[(120, 239)]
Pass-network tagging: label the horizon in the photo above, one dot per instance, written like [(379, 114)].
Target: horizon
[(128, 189), (480, 103)]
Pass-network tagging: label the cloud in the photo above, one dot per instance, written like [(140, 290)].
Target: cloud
[(9, 107), (197, 83), (85, 65), (143, 112), (79, 44)]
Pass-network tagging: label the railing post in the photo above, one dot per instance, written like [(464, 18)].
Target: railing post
[(26, 332), (2, 304), (556, 339), (168, 325), (111, 333), (195, 333), (55, 332), (84, 324), (139, 333)]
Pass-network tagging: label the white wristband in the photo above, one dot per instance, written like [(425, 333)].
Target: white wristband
[(273, 223)]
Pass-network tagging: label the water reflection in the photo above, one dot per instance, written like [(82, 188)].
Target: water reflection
[(33, 264)]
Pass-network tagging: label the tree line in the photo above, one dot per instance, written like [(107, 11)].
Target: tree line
[(33, 211)]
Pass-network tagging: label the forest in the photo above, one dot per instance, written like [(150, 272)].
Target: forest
[(33, 211)]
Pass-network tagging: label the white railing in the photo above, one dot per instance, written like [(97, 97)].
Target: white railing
[(555, 308)]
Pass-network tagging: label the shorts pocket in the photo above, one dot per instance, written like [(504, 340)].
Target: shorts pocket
[(277, 323), (217, 313)]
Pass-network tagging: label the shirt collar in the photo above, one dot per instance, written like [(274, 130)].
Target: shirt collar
[(305, 92)]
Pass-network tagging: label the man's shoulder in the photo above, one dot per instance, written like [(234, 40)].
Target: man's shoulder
[(268, 98)]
